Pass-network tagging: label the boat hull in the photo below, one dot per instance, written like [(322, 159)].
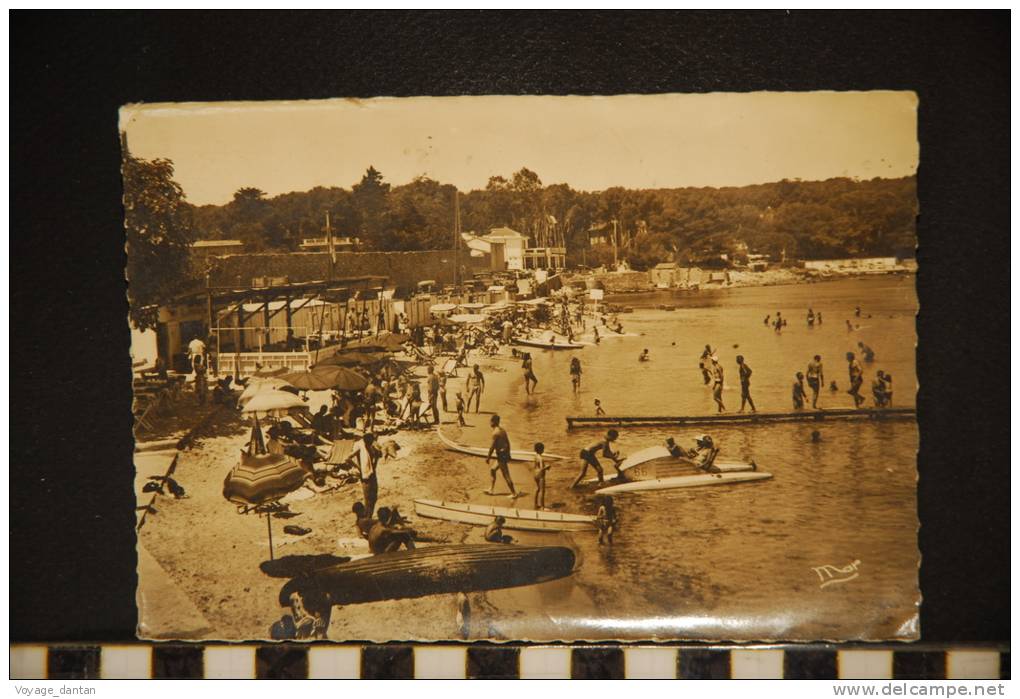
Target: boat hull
[(656, 462), (430, 571), (482, 515), (695, 481), (550, 345)]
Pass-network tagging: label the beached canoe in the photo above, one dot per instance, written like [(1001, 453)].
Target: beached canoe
[(530, 520), (656, 462), (515, 454), (434, 570), (695, 481), (544, 344)]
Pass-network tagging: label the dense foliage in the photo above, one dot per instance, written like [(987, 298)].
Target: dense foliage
[(836, 218), (159, 234)]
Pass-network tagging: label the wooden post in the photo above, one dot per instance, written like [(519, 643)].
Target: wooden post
[(269, 525)]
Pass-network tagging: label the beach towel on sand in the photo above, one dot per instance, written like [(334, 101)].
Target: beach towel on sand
[(341, 452)]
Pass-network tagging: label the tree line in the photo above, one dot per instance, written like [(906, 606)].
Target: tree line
[(790, 219), (838, 217)]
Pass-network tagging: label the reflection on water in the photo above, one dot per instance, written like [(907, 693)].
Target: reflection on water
[(737, 561)]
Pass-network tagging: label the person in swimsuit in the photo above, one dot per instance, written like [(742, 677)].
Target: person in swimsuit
[(704, 364), (500, 448), (745, 384), (605, 520), (589, 457), (598, 408), (878, 390), (856, 373), (538, 469), (475, 384), (798, 392), (717, 383), (867, 353), (810, 317), (494, 532), (815, 378), (575, 374), (530, 380), (644, 356)]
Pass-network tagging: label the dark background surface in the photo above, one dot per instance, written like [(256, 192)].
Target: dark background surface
[(72, 538)]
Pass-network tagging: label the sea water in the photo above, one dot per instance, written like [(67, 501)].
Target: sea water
[(745, 560)]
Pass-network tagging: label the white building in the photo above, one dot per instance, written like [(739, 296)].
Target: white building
[(505, 246)]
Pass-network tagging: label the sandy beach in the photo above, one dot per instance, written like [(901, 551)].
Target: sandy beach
[(212, 554)]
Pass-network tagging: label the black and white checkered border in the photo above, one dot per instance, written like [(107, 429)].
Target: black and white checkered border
[(392, 661)]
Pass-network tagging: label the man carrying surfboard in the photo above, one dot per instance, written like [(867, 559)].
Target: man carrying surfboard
[(589, 457), (501, 449)]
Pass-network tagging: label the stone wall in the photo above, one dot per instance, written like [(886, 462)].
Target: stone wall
[(403, 269)]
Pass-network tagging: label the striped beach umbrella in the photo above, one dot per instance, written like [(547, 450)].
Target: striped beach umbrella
[(261, 478)]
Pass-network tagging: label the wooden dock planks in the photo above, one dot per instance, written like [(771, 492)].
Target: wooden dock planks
[(577, 422)]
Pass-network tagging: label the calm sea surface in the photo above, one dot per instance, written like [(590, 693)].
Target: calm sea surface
[(737, 561)]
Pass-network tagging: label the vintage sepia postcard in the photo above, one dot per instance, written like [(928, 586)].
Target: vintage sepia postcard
[(638, 367)]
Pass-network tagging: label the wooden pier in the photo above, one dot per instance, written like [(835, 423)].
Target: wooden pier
[(574, 422)]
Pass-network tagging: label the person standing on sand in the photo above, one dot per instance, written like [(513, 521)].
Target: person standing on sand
[(717, 383), (460, 410), (500, 448), (538, 469), (433, 386), (368, 459), (442, 391), (575, 374), (475, 384), (815, 379), (745, 384), (856, 373)]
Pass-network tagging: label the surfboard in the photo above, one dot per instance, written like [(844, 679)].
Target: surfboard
[(515, 454), (447, 568), (543, 344), (695, 481), (530, 520)]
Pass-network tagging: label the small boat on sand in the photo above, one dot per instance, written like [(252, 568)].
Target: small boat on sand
[(515, 454), (530, 520), (692, 481), (426, 571)]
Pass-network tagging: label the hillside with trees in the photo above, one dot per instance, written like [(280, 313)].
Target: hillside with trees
[(839, 217)]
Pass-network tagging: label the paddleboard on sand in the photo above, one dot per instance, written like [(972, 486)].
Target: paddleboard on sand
[(657, 462), (434, 570), (530, 520), (695, 481), (515, 454)]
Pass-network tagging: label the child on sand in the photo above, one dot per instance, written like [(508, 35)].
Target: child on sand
[(539, 468), (460, 409)]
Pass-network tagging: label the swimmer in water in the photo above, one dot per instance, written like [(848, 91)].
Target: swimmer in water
[(644, 356)]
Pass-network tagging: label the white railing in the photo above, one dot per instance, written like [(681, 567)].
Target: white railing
[(246, 363)]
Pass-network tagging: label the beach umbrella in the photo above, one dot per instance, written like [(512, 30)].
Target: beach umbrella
[(350, 359), (442, 307), (270, 371), (255, 387), (273, 403), (366, 344), (393, 342), (469, 318), (326, 376), (258, 481), (471, 306)]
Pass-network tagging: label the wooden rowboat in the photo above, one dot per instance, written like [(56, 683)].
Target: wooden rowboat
[(448, 568), (529, 520), (515, 454)]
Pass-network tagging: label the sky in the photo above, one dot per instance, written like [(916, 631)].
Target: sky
[(590, 143)]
